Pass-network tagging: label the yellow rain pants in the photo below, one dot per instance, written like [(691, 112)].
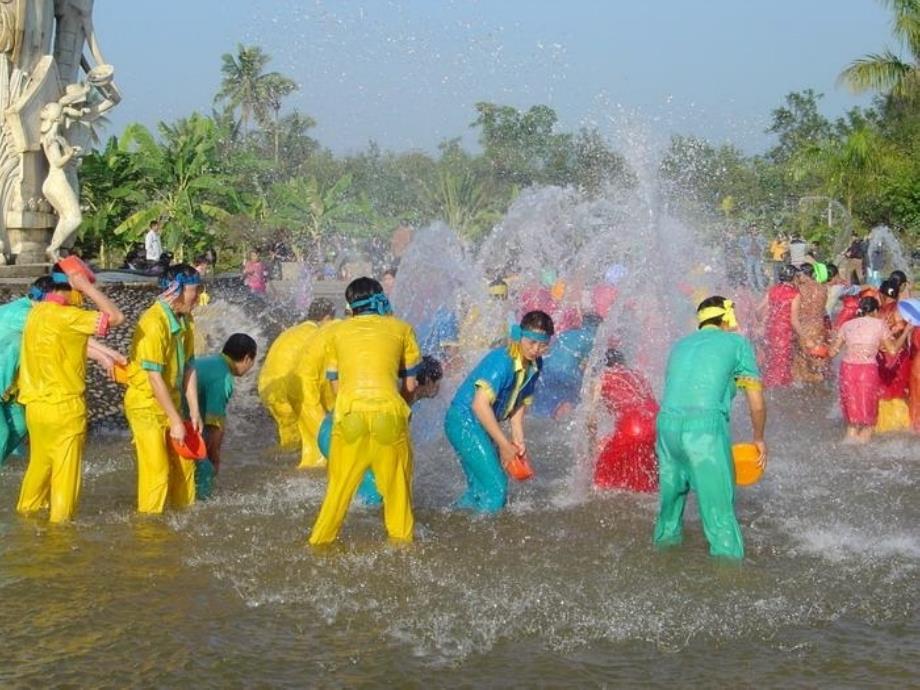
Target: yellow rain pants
[(316, 398), (161, 474), (370, 428), (57, 434), (279, 387), (372, 434)]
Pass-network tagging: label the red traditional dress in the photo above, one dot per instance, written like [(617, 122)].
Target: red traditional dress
[(779, 336), (627, 460), (914, 398), (894, 372)]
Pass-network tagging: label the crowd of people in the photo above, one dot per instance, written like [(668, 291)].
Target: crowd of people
[(341, 391), (812, 312)]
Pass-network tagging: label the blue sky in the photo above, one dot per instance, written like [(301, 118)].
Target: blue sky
[(407, 73)]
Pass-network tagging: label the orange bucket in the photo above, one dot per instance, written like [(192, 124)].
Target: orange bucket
[(520, 468), (74, 265), (121, 374), (821, 351), (746, 457), (193, 448)]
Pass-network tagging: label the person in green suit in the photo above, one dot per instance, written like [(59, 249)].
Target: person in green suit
[(704, 371)]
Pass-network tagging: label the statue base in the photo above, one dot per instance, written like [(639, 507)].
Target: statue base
[(23, 273), (29, 235)]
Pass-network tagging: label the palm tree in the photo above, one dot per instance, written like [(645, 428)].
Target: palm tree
[(247, 87), (886, 71), (275, 87)]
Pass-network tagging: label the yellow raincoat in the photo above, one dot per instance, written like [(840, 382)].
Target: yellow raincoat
[(317, 397), (279, 387), (52, 380), (367, 355), (162, 342)]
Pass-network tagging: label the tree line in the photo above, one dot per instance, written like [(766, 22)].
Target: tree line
[(245, 174)]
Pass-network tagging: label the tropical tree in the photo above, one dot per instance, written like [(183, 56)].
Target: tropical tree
[(309, 210), (246, 86), (181, 181), (275, 87), (848, 168), (110, 182), (887, 71)]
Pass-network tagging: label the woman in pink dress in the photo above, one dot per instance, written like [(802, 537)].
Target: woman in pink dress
[(860, 385), (255, 275)]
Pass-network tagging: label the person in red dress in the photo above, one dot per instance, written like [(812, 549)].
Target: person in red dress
[(893, 368), (775, 312), (627, 457)]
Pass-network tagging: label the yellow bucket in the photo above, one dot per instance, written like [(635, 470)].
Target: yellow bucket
[(746, 457)]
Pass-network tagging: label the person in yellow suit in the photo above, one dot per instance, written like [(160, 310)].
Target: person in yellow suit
[(317, 398), (366, 356), (162, 350), (52, 381), (280, 387)]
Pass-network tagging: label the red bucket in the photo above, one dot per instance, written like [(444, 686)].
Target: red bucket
[(193, 448), (520, 468), (74, 265)]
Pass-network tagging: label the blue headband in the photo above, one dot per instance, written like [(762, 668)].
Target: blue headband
[(377, 303), (60, 278), (36, 293), (517, 333), (181, 280)]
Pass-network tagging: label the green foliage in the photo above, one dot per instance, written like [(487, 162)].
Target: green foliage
[(886, 71), (249, 174), (181, 181)]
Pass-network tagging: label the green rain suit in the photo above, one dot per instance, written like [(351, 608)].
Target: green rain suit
[(704, 372)]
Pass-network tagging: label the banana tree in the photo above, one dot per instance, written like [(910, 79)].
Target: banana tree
[(183, 187)]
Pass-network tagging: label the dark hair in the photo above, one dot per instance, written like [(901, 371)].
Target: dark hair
[(714, 301), (899, 276), (429, 370), (807, 270), (40, 286), (55, 286), (389, 271), (362, 288), (786, 273), (202, 259), (591, 320), (867, 305), (613, 356), (176, 270), (890, 288), (154, 222), (239, 346), (538, 321), (832, 271), (320, 308)]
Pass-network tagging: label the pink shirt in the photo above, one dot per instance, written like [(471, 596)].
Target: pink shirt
[(862, 339), (254, 276)]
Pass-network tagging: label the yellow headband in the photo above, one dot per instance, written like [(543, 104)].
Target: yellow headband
[(727, 312)]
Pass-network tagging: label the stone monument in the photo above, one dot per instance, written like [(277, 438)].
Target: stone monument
[(51, 92)]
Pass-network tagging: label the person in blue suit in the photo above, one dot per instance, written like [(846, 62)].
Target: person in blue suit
[(499, 388)]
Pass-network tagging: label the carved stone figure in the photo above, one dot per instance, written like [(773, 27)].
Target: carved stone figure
[(50, 93), (57, 188)]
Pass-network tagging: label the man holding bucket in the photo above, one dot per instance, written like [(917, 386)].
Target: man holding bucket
[(704, 371)]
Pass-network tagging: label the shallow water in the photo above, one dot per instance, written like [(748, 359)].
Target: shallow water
[(562, 589)]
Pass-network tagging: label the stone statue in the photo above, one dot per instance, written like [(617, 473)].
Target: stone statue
[(57, 188), (50, 94)]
